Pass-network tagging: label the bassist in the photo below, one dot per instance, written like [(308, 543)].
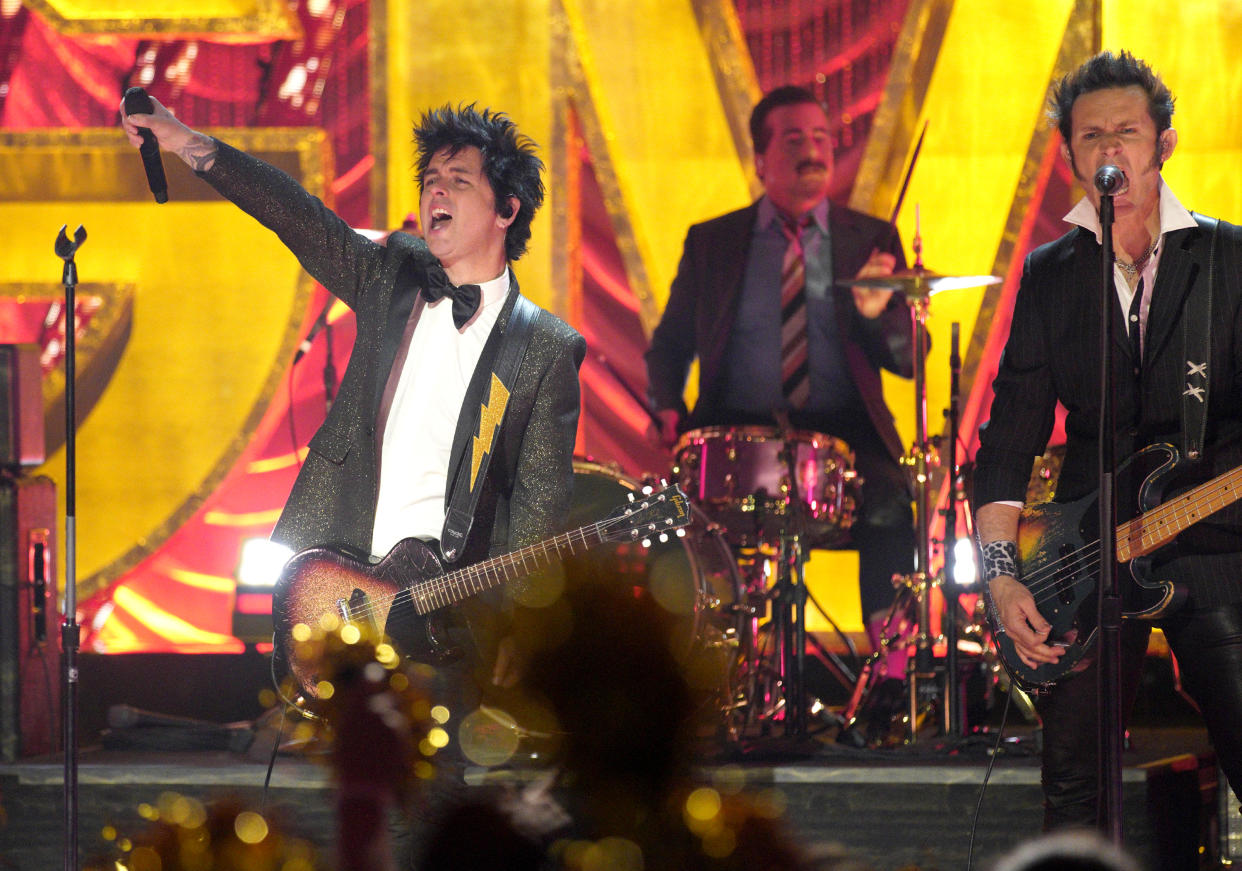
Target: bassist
[(1173, 272)]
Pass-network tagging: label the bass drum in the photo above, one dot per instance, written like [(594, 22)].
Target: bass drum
[(694, 577)]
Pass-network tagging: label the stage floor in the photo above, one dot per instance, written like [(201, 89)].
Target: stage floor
[(894, 808)]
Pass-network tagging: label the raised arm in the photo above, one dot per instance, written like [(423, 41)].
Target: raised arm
[(198, 150)]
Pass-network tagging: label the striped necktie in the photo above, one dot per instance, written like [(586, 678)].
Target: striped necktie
[(795, 368)]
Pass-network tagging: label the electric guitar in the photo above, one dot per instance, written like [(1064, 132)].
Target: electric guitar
[(1059, 559), (409, 584)]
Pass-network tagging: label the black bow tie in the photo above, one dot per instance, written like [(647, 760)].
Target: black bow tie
[(436, 286)]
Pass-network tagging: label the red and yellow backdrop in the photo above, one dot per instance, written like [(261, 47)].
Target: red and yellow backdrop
[(193, 415)]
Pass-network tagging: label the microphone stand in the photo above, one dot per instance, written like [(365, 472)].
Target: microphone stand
[(1109, 676), (329, 365), (70, 635), (952, 693)]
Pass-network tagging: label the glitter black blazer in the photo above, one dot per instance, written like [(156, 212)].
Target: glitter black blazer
[(527, 490)]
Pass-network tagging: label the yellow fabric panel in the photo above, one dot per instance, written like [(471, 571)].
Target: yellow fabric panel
[(649, 84), (214, 294), (986, 94), (669, 142), (217, 300), (265, 19), (496, 53), (832, 578), (1194, 46)]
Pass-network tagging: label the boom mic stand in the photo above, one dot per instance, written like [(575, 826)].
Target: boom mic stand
[(70, 635)]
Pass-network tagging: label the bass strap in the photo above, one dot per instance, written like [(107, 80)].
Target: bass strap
[(468, 485), (1196, 348)]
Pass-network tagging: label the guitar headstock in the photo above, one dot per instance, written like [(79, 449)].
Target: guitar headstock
[(649, 515)]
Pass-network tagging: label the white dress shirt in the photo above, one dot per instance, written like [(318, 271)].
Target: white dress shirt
[(419, 410)]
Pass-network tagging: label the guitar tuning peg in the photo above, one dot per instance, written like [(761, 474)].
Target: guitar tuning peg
[(646, 542), (648, 489), (663, 537), (681, 532), (630, 496)]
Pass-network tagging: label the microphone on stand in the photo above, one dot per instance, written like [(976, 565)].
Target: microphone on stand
[(137, 101), (1110, 180)]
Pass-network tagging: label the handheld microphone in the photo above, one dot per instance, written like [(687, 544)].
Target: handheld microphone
[(137, 101), (1110, 180)]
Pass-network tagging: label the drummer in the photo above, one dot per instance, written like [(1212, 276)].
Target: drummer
[(754, 299)]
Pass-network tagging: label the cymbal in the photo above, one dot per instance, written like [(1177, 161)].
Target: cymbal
[(920, 282)]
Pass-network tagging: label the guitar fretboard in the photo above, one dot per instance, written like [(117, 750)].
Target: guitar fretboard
[(465, 582), (1158, 527)]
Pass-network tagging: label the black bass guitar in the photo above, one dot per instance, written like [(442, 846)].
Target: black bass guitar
[(1059, 559), (411, 581)]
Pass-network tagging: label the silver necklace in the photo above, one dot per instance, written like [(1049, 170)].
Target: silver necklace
[(1133, 269)]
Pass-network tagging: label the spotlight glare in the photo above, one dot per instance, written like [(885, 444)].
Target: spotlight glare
[(261, 562), (965, 571)]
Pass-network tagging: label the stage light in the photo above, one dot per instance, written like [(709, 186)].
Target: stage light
[(965, 572), (261, 562), (258, 569)]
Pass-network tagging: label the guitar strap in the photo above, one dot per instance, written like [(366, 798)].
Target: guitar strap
[(1196, 347), (488, 419)]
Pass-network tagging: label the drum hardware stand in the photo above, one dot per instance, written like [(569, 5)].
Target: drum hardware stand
[(893, 634), (922, 665), (752, 693), (917, 285), (792, 597), (758, 691)]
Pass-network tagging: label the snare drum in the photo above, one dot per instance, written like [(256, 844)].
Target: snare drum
[(694, 577), (740, 477)]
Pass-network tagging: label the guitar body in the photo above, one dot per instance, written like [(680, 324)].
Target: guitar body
[(321, 581), (402, 593), (1058, 556)]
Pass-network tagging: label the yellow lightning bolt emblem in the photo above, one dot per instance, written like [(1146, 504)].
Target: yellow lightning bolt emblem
[(490, 415)]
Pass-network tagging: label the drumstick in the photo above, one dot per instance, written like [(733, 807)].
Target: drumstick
[(914, 158)]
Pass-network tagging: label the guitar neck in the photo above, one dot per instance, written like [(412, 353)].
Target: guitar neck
[(1156, 528), (444, 590)]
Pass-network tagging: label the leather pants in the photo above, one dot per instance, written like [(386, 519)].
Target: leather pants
[(1208, 647)]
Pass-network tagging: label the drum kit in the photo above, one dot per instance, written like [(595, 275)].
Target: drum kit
[(762, 498)]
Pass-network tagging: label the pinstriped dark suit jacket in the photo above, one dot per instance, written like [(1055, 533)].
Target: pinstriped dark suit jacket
[(1053, 355), (527, 491)]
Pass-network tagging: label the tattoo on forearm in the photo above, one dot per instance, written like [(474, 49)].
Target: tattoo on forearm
[(199, 152)]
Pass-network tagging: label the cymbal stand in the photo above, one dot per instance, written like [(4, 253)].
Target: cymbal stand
[(922, 665)]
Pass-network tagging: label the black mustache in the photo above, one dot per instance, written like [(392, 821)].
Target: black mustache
[(812, 164)]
